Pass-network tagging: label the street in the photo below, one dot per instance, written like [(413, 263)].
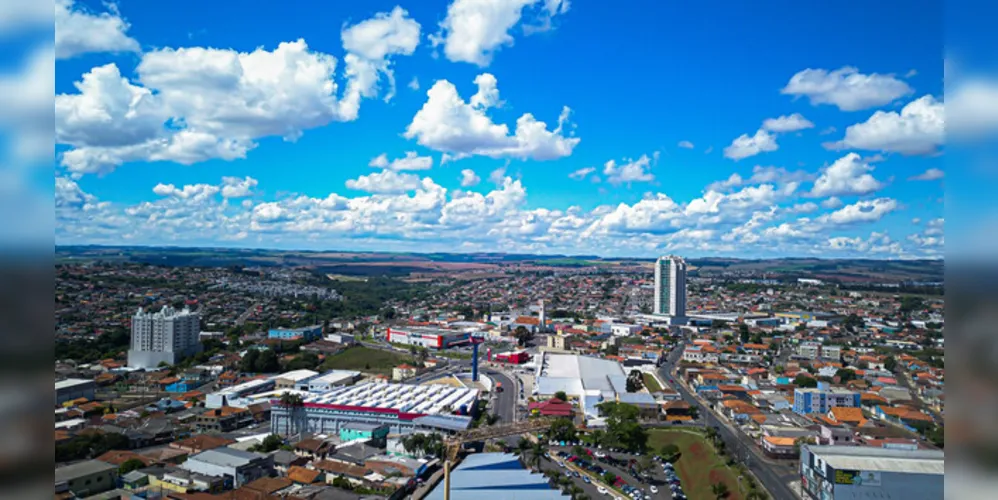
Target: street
[(774, 477)]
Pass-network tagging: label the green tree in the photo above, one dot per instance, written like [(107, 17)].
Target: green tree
[(743, 333), (267, 362), (634, 382), (805, 381), (271, 443), (622, 427), (562, 429), (579, 451), (845, 375), (248, 363), (130, 465), (609, 478), (561, 395), (890, 364), (293, 403), (669, 452), (720, 490)]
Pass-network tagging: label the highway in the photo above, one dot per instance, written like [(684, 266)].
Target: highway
[(774, 477)]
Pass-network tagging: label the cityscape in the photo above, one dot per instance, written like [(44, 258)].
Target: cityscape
[(496, 249), (675, 381)]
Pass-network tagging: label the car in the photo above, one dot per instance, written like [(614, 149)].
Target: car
[(602, 490), (653, 489), (585, 479), (561, 464)]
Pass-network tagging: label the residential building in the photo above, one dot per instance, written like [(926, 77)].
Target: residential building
[(823, 398), (840, 472), (779, 447), (306, 333), (237, 467), (404, 371), (624, 329), (166, 336), (670, 286), (558, 342), (224, 419), (86, 478)]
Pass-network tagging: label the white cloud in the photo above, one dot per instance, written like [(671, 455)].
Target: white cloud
[(414, 83), (630, 171), (832, 203), (804, 208), (861, 211), (195, 104), (746, 146), (686, 144), (787, 123), (475, 29), (876, 243), (762, 175), (917, 130), (370, 43), (79, 32), (846, 88), (448, 124), (846, 176), (385, 182), (498, 176), (582, 173), (932, 174), (469, 178), (193, 192), (411, 161), (234, 187)]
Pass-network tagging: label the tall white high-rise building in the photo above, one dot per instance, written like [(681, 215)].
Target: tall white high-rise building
[(168, 335), (670, 286)]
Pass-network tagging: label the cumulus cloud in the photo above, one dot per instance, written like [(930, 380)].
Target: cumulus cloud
[(411, 161), (192, 192), (762, 175), (26, 101), (474, 30), (861, 211), (385, 182), (460, 129), (469, 178), (234, 187), (414, 83), (846, 88), (917, 130), (971, 107), (194, 104), (932, 174), (631, 171), (746, 146), (832, 203), (849, 175), (78, 31), (787, 123), (686, 144)]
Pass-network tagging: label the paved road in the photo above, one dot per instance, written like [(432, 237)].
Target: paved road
[(505, 405), (589, 489), (774, 477), (246, 314)]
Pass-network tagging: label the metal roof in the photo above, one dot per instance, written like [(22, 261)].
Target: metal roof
[(72, 382), (495, 475), (880, 459), (81, 469), (225, 457)]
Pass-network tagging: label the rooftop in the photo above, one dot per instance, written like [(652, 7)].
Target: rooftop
[(881, 459), (495, 475), (226, 457), (71, 382), (81, 469), (418, 399), (297, 375)]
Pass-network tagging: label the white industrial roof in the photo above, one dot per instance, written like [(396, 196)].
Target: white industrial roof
[(577, 374), (425, 399), (335, 376), (71, 382), (881, 459), (296, 375)]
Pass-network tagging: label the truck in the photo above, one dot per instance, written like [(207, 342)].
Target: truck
[(498, 386)]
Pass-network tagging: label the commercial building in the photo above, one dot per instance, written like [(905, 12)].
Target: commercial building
[(333, 378), (840, 472), (816, 350), (557, 342), (513, 357), (401, 407), (294, 379), (624, 329), (307, 333), (235, 466), (224, 419), (166, 336), (589, 381), (808, 316), (495, 475), (86, 478), (74, 388), (670, 286), (433, 338), (821, 399), (239, 395), (361, 430)]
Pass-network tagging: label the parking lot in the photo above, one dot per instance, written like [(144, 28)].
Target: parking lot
[(617, 463)]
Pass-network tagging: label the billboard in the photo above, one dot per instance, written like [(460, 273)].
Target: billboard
[(857, 477)]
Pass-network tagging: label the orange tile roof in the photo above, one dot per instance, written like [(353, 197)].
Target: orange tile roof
[(779, 441), (302, 475)]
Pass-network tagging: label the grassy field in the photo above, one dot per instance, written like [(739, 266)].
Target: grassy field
[(698, 467), (650, 383), (366, 360)]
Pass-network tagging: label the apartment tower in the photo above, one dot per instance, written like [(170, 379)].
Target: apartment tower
[(670, 286), (167, 336)]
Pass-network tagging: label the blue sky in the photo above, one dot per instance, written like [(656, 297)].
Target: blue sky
[(205, 132)]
